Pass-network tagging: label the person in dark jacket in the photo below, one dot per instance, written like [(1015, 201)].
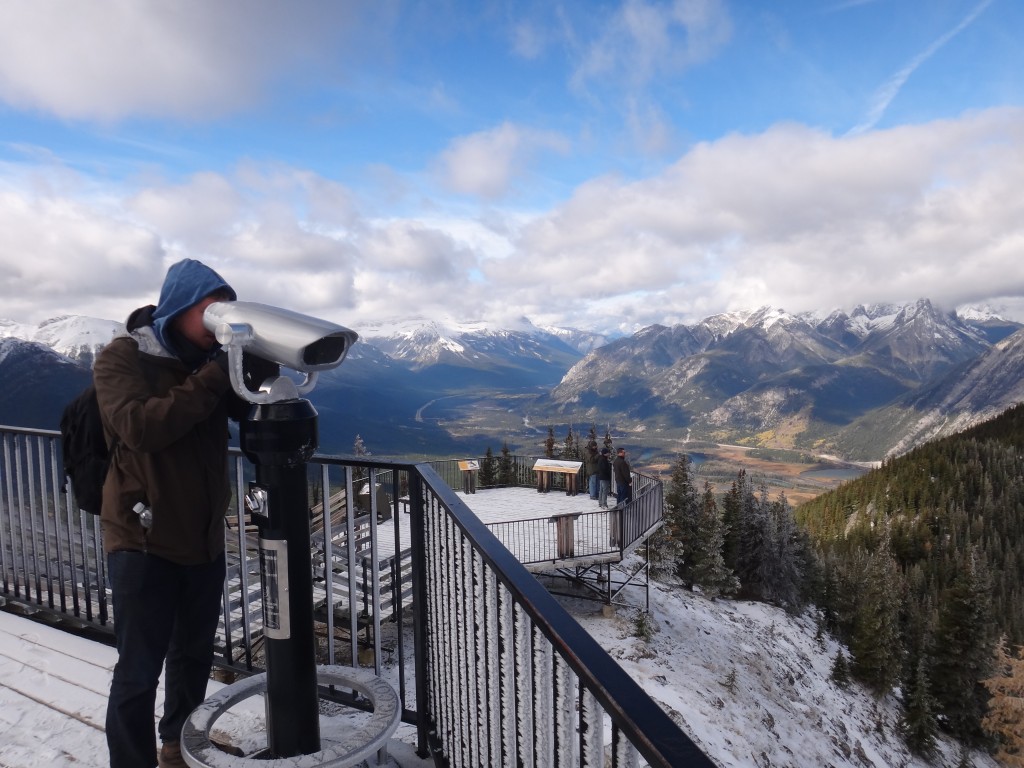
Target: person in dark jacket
[(590, 469), (604, 478), (164, 399), (623, 479)]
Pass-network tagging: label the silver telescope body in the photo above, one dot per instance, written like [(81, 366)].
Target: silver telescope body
[(300, 342)]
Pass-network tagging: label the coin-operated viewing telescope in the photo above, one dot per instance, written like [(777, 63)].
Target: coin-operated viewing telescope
[(279, 436), (304, 344)]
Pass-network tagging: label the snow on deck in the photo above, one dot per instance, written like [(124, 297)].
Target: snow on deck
[(53, 684), (53, 700), (524, 520)]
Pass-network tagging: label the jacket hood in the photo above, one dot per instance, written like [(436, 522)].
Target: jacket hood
[(187, 282)]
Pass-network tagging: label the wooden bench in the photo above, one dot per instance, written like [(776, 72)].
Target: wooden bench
[(545, 469)]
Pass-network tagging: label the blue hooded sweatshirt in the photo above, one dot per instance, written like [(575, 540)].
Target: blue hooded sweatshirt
[(187, 283)]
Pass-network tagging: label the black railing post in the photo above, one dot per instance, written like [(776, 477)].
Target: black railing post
[(417, 530)]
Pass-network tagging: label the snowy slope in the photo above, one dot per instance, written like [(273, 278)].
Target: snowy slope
[(750, 684), (67, 335)]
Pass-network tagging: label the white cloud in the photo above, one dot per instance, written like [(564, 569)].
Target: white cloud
[(59, 255), (640, 49), (108, 59), (791, 217), (206, 203), (528, 40), (417, 253), (646, 39), (488, 163)]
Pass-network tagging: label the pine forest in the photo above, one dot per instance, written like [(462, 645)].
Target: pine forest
[(917, 568), (922, 575)]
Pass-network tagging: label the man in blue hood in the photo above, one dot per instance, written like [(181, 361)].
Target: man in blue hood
[(165, 399), (188, 283)]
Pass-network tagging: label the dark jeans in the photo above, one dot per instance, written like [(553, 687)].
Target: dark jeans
[(592, 486), (162, 611), (623, 494)]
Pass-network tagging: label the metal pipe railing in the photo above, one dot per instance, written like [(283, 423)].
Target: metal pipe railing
[(608, 534), (490, 668)]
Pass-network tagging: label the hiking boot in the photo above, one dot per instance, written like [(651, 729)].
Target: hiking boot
[(170, 756)]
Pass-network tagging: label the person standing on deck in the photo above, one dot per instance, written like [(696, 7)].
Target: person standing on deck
[(165, 398), (590, 467), (623, 479), (604, 478)]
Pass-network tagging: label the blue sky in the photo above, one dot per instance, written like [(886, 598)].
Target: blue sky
[(601, 165)]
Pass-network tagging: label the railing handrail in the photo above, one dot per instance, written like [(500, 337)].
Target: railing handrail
[(664, 742), (30, 431)]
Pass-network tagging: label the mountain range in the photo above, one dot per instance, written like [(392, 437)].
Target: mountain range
[(810, 381), (861, 384)]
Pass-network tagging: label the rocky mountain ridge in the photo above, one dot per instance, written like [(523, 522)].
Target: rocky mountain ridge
[(775, 379), (969, 394)]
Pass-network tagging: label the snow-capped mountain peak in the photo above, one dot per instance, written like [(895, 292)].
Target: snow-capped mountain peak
[(70, 335)]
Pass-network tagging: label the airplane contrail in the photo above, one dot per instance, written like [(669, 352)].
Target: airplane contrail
[(884, 95)]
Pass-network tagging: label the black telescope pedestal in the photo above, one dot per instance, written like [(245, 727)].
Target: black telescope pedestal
[(279, 438)]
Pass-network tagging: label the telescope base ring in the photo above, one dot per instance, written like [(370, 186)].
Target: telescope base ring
[(358, 745)]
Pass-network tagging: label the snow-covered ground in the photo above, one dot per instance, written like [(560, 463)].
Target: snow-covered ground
[(748, 682), (53, 698)]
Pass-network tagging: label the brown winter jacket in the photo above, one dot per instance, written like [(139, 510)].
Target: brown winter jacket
[(169, 430)]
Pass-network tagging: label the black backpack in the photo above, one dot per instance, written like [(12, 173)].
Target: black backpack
[(84, 450)]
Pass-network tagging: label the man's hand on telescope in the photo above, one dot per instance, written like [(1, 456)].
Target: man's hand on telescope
[(256, 370)]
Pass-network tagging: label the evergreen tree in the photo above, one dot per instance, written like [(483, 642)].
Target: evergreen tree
[(592, 437), (962, 649), (840, 670), (359, 450), (732, 518), (772, 557), (935, 502), (608, 441), (506, 470), (1005, 718), (875, 643), (918, 723), (755, 538), (676, 543), (360, 475), (708, 565), (953, 510), (549, 444), (919, 717), (828, 597), (782, 570), (488, 470), (571, 450)]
